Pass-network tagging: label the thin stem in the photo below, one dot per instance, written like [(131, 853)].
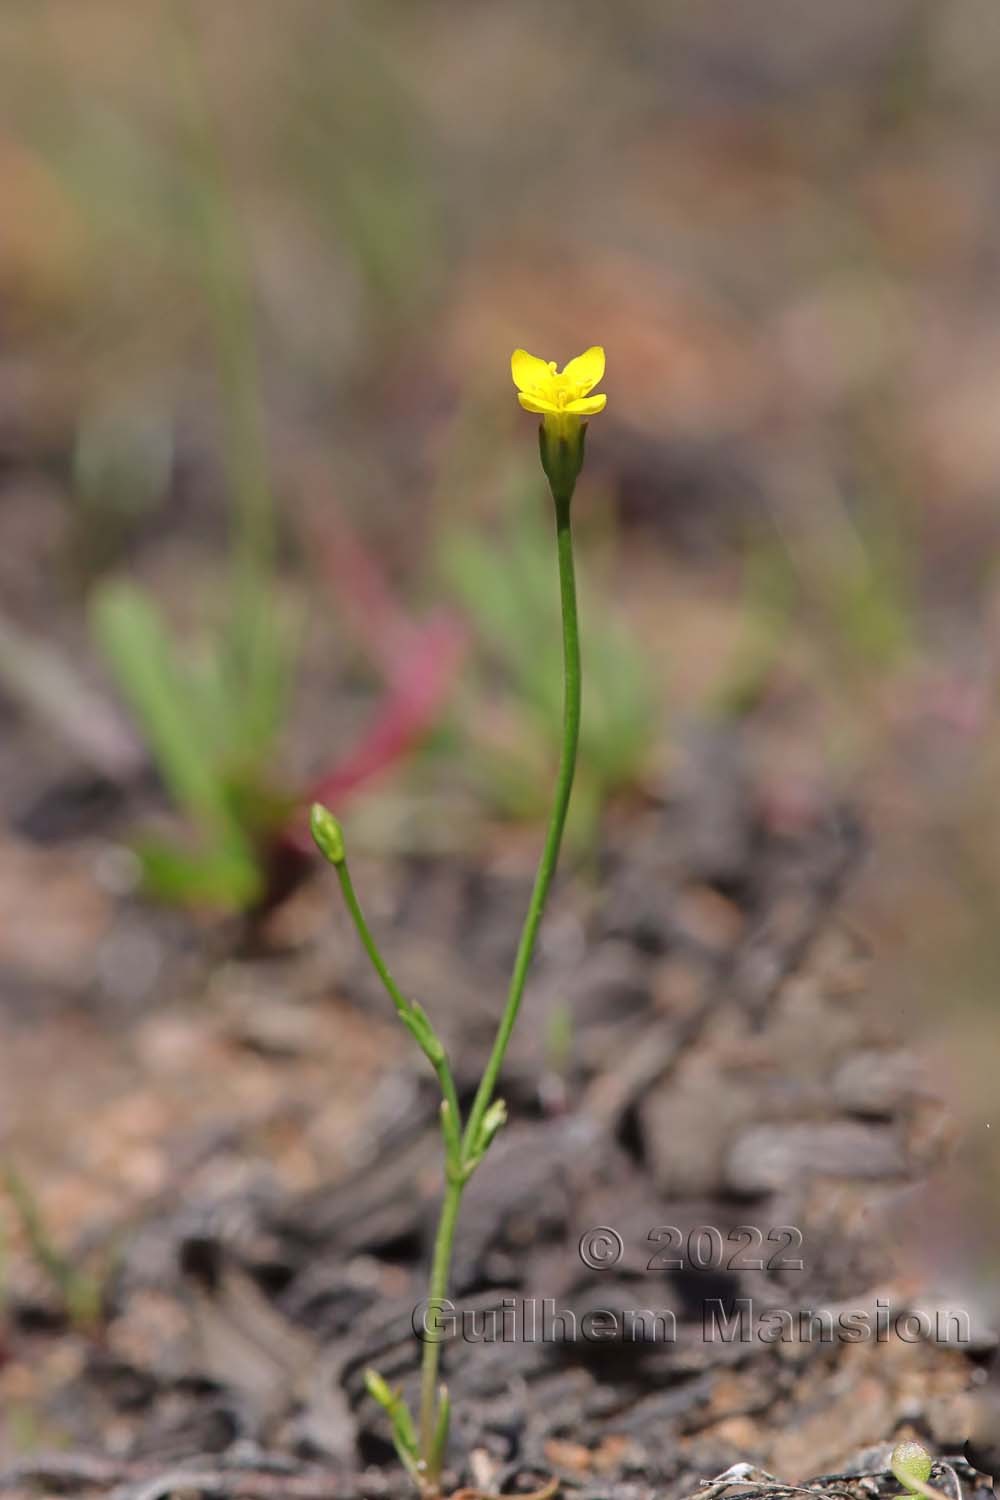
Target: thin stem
[(404, 1008), (437, 1291), (557, 822), (471, 1140)]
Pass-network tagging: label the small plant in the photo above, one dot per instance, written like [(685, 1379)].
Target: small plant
[(211, 717), (79, 1291), (212, 731), (563, 400), (211, 710), (911, 1464)]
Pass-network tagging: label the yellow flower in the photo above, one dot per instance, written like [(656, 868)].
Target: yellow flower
[(559, 393)]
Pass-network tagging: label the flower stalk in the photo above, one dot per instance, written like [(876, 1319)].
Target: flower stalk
[(563, 400)]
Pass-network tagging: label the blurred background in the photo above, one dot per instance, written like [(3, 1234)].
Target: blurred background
[(273, 526)]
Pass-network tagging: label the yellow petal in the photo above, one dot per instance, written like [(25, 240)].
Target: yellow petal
[(587, 405), (586, 370), (535, 403), (530, 373)]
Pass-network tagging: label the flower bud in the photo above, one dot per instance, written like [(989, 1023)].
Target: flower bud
[(493, 1120), (379, 1390), (327, 833)]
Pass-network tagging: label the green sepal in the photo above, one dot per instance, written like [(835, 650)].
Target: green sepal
[(493, 1120), (417, 1022), (561, 443)]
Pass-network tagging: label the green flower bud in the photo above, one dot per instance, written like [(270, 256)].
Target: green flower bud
[(493, 1120), (327, 833), (379, 1390)]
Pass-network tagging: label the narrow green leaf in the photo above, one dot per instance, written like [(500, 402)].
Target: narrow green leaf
[(132, 637)]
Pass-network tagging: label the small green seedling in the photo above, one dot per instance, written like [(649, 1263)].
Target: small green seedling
[(79, 1291), (912, 1464)]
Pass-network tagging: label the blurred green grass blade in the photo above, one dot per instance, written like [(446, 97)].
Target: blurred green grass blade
[(226, 878), (80, 1292), (213, 703), (361, 148), (519, 626), (131, 635), (622, 715), (510, 620), (257, 662), (227, 280), (259, 675)]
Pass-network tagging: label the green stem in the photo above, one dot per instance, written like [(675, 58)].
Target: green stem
[(557, 822), (437, 1291), (451, 1122), (471, 1151)]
